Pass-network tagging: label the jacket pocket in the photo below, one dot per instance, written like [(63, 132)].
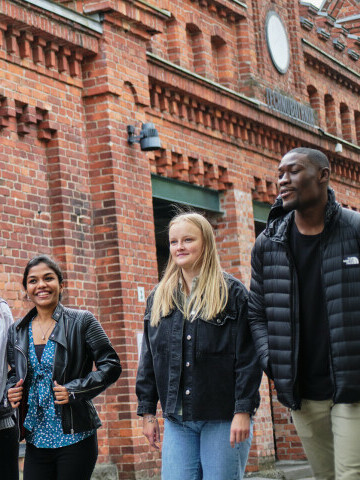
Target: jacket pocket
[(84, 416), (216, 336)]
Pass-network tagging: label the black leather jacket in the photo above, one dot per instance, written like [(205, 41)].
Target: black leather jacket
[(220, 376), (80, 342)]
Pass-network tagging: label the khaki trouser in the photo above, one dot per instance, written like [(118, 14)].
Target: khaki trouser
[(330, 435)]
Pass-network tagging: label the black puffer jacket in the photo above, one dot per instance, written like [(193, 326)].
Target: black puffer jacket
[(80, 342), (274, 301)]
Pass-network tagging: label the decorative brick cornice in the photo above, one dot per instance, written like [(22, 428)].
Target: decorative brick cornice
[(231, 10), (214, 120), (330, 20), (7, 110), (345, 170), (264, 191), (191, 112), (331, 66), (67, 14), (312, 9), (323, 34), (26, 117), (22, 15), (338, 44), (306, 23), (138, 16), (190, 168), (44, 56), (332, 73), (353, 55)]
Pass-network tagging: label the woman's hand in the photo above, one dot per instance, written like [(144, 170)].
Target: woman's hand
[(61, 394), (15, 394), (240, 428), (151, 430)]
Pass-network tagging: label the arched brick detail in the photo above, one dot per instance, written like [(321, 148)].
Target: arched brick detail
[(174, 41), (131, 88), (314, 100), (196, 48), (345, 122), (357, 126), (221, 61), (330, 114)]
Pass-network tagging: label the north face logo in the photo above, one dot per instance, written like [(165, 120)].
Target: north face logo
[(351, 261)]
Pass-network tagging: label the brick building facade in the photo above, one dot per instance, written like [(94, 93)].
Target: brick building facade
[(230, 85)]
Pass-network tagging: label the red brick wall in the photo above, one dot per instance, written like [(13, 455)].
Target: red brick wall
[(72, 187)]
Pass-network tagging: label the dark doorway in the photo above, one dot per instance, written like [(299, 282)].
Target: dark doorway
[(163, 213)]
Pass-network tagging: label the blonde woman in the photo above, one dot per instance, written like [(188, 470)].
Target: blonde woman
[(198, 359)]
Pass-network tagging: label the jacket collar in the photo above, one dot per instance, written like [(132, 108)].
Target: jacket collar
[(280, 220), (60, 330)]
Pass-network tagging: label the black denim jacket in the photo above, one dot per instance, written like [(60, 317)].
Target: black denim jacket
[(223, 375)]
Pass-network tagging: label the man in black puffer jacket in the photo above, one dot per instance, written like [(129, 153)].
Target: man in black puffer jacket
[(304, 312)]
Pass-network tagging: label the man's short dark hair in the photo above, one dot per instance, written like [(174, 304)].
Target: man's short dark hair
[(315, 156)]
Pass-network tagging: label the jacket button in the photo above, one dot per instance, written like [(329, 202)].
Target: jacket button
[(188, 337), (187, 392), (187, 364), (218, 320)]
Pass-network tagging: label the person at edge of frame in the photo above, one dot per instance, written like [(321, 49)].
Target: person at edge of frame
[(304, 312), (9, 433), (198, 358), (51, 352)]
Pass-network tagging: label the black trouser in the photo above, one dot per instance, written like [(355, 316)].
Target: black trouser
[(9, 454), (74, 462)]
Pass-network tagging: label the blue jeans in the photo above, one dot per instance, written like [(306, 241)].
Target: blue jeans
[(202, 451)]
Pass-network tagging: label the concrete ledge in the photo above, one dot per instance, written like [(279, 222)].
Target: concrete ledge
[(265, 475), (285, 470), (105, 472), (295, 470), (93, 23)]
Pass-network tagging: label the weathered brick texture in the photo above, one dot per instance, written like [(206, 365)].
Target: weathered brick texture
[(72, 187)]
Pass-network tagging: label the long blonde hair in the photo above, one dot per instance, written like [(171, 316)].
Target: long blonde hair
[(211, 292)]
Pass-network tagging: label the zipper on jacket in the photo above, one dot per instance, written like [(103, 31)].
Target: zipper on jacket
[(62, 382), (294, 295), (331, 365), (26, 369), (71, 420), (24, 355), (294, 319), (72, 393)]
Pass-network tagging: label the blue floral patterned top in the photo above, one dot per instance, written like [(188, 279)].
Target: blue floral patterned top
[(43, 420)]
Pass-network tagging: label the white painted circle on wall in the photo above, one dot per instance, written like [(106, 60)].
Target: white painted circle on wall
[(277, 42)]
